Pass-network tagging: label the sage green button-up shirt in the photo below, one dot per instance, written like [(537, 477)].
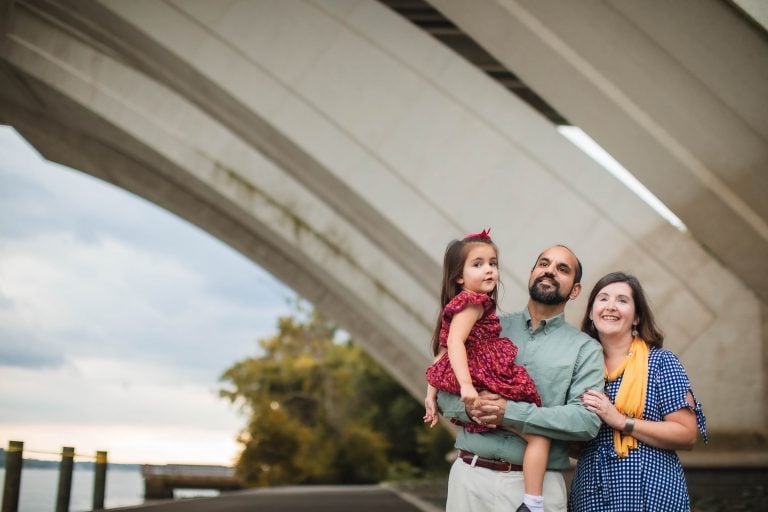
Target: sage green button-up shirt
[(563, 362)]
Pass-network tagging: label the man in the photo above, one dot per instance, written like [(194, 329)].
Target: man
[(564, 362)]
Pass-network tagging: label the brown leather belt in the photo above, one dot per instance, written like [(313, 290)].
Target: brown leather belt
[(482, 462)]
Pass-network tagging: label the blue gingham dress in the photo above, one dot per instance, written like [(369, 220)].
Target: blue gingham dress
[(649, 479)]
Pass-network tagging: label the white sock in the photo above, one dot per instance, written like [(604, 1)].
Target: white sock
[(535, 503)]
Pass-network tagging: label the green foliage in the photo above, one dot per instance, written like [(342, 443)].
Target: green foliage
[(361, 456), (272, 445), (322, 411)]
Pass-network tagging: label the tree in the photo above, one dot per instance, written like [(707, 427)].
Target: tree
[(322, 411)]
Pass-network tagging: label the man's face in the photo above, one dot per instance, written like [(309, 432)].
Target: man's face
[(551, 280)]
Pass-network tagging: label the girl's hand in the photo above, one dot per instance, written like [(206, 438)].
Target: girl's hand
[(431, 419), (469, 396), (599, 403), (432, 414)]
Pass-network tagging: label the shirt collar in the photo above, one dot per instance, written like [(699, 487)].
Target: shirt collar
[(548, 325)]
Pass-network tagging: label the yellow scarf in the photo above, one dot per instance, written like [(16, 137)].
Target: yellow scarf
[(630, 400)]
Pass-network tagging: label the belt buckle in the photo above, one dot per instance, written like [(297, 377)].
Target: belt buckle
[(509, 465)]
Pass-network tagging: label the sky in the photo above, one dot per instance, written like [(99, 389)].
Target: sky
[(117, 319)]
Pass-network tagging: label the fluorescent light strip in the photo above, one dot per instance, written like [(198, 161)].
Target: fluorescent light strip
[(585, 143)]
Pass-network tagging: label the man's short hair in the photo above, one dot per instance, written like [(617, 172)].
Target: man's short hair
[(577, 270)]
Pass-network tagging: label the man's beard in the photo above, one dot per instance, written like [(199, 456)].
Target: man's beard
[(551, 297)]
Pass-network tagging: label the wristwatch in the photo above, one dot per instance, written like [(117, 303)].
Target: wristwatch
[(629, 426)]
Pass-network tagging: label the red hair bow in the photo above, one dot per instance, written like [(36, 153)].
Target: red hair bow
[(486, 233)]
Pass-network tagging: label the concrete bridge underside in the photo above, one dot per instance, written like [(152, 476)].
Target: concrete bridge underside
[(340, 146)]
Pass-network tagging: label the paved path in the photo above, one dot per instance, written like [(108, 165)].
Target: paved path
[(367, 498)]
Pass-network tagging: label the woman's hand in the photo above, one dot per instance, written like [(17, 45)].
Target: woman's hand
[(599, 403)]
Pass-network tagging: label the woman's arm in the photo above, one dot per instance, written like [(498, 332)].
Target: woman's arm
[(676, 431)]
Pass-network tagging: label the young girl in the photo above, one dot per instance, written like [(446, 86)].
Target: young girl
[(470, 355)]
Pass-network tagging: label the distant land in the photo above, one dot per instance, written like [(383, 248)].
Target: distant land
[(37, 463)]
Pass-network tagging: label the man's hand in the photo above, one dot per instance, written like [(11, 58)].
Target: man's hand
[(489, 410)]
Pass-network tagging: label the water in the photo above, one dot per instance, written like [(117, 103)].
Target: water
[(125, 488), (39, 487)]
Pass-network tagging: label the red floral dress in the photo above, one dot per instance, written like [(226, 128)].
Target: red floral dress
[(491, 359)]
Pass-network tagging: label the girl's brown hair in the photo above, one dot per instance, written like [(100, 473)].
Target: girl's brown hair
[(453, 267)]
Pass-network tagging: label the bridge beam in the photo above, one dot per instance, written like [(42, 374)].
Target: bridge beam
[(676, 91), (340, 147)]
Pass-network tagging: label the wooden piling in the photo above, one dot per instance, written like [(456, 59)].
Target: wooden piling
[(65, 479), (13, 462), (99, 480)]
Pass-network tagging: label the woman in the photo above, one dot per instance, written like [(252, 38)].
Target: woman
[(648, 410)]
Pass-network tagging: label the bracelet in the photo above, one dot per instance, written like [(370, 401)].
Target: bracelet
[(629, 425)]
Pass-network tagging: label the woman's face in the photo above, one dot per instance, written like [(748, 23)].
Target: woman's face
[(613, 311)]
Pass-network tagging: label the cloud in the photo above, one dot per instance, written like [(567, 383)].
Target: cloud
[(21, 349), (115, 314), (108, 392), (138, 412), (129, 302), (91, 269), (157, 444)]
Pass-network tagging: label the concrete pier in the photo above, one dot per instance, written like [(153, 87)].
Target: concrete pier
[(160, 481)]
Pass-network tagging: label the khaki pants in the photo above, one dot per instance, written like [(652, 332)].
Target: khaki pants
[(473, 489)]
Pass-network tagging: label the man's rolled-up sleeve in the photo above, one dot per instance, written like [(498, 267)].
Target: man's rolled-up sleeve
[(451, 406)]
